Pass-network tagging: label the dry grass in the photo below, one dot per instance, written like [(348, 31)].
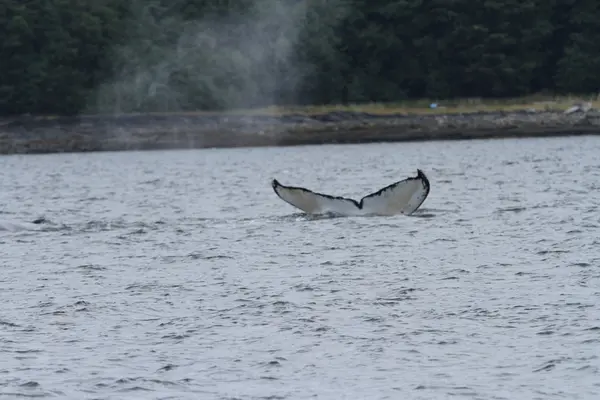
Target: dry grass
[(412, 107), (422, 107)]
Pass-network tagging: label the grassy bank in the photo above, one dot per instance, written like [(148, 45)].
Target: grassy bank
[(450, 106), (409, 107)]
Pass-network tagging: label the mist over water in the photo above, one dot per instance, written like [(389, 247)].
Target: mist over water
[(247, 58)]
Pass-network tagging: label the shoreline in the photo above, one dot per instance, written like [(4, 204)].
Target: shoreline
[(35, 135)]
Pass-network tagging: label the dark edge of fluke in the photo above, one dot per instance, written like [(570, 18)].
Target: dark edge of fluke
[(275, 184), (420, 176), (425, 180)]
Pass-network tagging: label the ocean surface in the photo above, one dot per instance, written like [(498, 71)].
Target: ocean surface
[(181, 275)]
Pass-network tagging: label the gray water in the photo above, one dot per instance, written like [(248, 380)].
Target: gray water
[(180, 275)]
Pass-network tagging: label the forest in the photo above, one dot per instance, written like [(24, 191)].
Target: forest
[(70, 57)]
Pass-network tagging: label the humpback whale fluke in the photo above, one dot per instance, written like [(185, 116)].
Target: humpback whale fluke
[(402, 197)]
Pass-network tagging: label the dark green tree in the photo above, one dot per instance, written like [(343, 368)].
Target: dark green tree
[(74, 56), (577, 70)]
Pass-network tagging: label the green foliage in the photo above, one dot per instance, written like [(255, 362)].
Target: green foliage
[(73, 56), (54, 53), (578, 69)]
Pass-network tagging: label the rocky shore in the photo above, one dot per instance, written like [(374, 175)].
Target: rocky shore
[(29, 134)]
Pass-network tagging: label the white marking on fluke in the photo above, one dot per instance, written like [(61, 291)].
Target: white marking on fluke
[(402, 197)]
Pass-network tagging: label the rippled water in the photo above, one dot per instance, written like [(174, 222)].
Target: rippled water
[(181, 275)]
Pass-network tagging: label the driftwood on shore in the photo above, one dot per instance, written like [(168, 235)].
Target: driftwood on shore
[(182, 131)]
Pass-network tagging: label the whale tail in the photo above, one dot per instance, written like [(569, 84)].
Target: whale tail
[(402, 197)]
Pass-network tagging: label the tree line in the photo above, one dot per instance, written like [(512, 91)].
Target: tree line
[(88, 56)]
